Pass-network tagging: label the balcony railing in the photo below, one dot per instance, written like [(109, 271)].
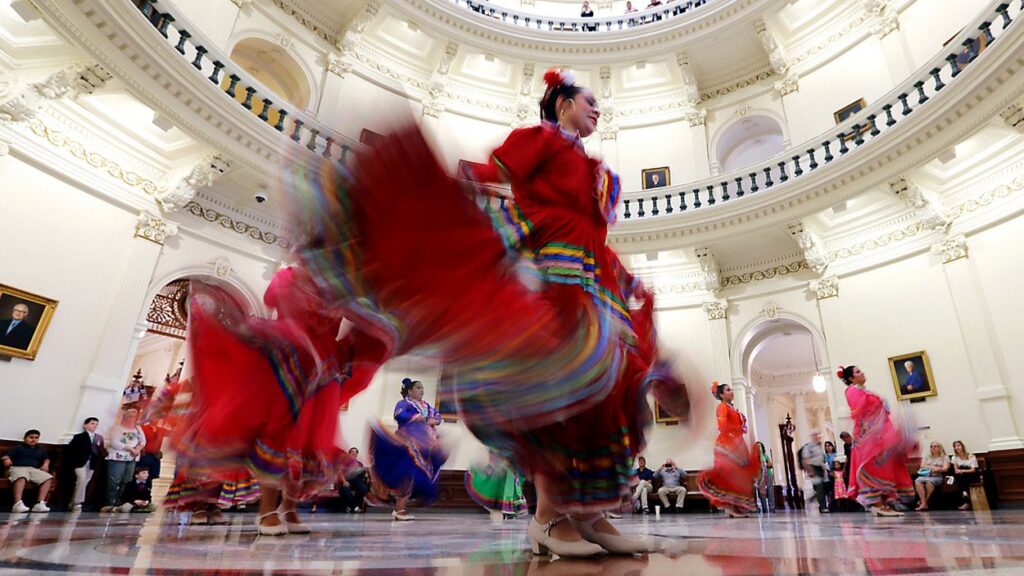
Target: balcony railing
[(592, 24), (856, 132), (203, 55)]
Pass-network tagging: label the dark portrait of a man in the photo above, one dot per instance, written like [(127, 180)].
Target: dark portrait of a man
[(17, 331), (655, 178)]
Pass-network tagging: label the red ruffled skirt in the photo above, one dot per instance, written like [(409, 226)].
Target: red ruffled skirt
[(731, 481), (554, 379)]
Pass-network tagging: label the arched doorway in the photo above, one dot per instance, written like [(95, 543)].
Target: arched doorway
[(748, 141)]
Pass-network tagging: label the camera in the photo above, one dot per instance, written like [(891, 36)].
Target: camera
[(261, 197)]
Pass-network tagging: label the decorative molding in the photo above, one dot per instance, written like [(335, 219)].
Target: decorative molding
[(875, 243), (433, 101), (951, 249), (716, 309), (811, 245), (299, 17), (690, 89), (926, 204), (776, 53), (738, 85), (5, 148), (154, 228), (69, 82), (712, 276), (883, 20), (203, 174), (221, 267), (767, 274), (986, 198), (770, 310), (832, 40), (1013, 116), (94, 159), (827, 287), (211, 215), (788, 85)]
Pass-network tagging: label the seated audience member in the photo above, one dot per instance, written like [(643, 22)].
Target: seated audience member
[(673, 481), (355, 485), (137, 496), (932, 473), (965, 472), (645, 485), (125, 443), (84, 453), (28, 463)]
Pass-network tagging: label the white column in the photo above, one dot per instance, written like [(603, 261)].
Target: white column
[(126, 324), (721, 367), (800, 419), (699, 140), (827, 292), (976, 331), (885, 24)]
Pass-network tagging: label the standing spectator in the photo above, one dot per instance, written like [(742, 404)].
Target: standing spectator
[(629, 8), (84, 452), (125, 443), (673, 481), (848, 452), (137, 496), (646, 484), (812, 460), (765, 482), (830, 463), (587, 12), (932, 473), (654, 4), (355, 485), (29, 463)]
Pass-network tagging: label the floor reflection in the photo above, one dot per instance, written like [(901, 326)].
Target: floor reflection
[(471, 544)]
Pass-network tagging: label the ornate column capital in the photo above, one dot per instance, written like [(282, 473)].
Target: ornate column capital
[(69, 82), (695, 116), (1013, 116), (827, 287), (951, 249), (716, 309), (928, 205), (221, 267), (884, 21), (788, 85), (154, 228), (776, 53)]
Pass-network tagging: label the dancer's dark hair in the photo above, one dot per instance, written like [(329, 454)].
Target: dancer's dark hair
[(845, 373), (560, 84), (717, 389), (407, 384)]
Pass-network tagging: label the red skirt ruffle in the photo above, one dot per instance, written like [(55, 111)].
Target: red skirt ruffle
[(730, 483)]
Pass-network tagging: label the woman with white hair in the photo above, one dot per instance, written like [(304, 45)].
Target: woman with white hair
[(932, 473)]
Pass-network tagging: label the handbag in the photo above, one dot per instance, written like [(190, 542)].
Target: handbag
[(924, 472)]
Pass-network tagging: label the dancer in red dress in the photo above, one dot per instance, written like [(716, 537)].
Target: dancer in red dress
[(878, 464), (268, 392), (729, 485), (555, 379)]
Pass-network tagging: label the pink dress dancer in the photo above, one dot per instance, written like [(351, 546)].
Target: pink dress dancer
[(878, 462)]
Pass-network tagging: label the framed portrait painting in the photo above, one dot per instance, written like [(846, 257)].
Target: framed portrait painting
[(24, 318), (662, 416), (445, 402), (912, 376), (849, 110), (656, 177)]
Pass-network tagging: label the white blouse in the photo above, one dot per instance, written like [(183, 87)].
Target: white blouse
[(970, 462)]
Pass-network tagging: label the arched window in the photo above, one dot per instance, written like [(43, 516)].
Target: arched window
[(748, 141), (273, 67)]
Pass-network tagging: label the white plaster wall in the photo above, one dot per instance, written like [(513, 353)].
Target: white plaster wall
[(924, 26), (64, 244), (160, 358), (214, 18), (668, 144), (992, 254), (903, 308)]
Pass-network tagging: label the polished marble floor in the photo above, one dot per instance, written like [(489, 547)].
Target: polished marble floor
[(445, 544)]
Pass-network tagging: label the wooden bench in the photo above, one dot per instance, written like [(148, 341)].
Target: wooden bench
[(63, 485), (947, 496), (695, 500)]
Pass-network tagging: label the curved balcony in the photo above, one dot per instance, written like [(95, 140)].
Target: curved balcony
[(218, 68), (814, 156), (576, 25)]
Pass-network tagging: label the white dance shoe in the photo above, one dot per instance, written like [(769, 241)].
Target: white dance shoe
[(543, 543), (613, 543), (279, 530), (402, 516)]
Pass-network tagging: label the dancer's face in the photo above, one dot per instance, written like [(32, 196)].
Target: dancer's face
[(416, 392), (858, 376), (580, 113), (727, 394)]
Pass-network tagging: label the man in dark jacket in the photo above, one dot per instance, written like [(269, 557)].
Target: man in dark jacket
[(84, 453)]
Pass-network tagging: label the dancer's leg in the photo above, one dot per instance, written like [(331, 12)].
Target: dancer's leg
[(288, 510), (546, 512), (268, 503)]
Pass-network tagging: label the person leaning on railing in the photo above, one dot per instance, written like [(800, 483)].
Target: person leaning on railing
[(587, 12)]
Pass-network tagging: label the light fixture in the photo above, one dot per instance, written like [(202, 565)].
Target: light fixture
[(641, 65), (818, 381), (489, 57)]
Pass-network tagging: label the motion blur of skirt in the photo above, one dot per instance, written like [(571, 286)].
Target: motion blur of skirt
[(555, 379)]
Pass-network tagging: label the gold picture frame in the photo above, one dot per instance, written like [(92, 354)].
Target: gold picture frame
[(26, 336), (909, 387), (656, 177), (663, 417), (850, 109)]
